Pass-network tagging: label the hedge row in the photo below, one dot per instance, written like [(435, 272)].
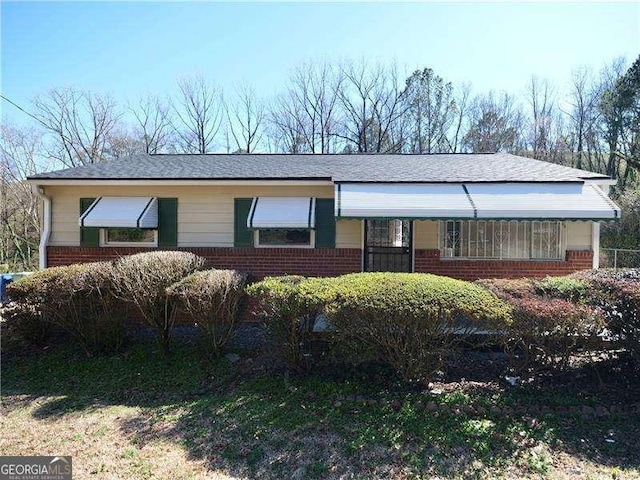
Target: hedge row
[(617, 296), (549, 321), (412, 322), (92, 301), (555, 317)]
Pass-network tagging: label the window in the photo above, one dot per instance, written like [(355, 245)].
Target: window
[(503, 239), (388, 233), (129, 236), (280, 237)]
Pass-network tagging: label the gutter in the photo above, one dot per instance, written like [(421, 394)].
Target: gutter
[(46, 224), (178, 181)]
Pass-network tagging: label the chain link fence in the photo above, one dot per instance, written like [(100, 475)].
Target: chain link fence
[(619, 258)]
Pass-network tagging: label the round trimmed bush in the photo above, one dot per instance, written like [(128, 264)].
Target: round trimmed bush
[(289, 306), (215, 301), (142, 280), (411, 321), (78, 298)]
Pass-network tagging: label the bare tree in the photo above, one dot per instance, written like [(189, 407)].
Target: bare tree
[(430, 111), (583, 117), (305, 117), (495, 124), (541, 99), (123, 142), (246, 117), (199, 114), (371, 100), (462, 104), (283, 129), (81, 123), (20, 156), (153, 116), (614, 103)]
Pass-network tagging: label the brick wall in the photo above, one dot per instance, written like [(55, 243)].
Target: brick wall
[(261, 262), (429, 261), (336, 261)]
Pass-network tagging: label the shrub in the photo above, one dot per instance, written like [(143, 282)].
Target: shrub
[(26, 321), (289, 306), (78, 298), (21, 325), (508, 288), (547, 331), (142, 280), (412, 321), (215, 301), (567, 288), (548, 324), (34, 287), (617, 295)]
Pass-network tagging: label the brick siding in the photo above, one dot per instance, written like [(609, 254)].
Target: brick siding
[(429, 261), (325, 262), (336, 261)]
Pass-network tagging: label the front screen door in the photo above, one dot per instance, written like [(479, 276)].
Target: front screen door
[(388, 245)]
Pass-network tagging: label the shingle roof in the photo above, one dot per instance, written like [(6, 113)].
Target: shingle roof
[(485, 167)]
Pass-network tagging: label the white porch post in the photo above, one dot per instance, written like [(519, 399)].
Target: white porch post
[(595, 243)]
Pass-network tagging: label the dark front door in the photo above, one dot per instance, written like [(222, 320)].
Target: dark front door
[(388, 245)]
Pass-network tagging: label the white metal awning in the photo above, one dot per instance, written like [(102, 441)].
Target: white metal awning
[(121, 212), (562, 201), (388, 200), (570, 201), (282, 212)]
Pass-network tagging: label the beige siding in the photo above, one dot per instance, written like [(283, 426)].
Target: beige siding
[(349, 234), (426, 234), (578, 235), (205, 213)]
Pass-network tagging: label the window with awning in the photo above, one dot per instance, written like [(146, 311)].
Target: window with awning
[(282, 213), (121, 212), (504, 201)]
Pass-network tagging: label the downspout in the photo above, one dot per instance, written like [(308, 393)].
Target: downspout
[(46, 226)]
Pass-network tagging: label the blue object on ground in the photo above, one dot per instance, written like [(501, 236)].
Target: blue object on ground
[(4, 281)]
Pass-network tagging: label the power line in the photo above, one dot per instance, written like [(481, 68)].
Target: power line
[(64, 137), (24, 111)]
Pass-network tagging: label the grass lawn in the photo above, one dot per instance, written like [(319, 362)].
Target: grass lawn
[(137, 415)]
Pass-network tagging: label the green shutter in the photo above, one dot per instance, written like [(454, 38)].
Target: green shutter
[(242, 236), (167, 222), (325, 223), (89, 236)]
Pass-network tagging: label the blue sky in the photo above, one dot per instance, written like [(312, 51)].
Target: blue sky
[(130, 49)]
